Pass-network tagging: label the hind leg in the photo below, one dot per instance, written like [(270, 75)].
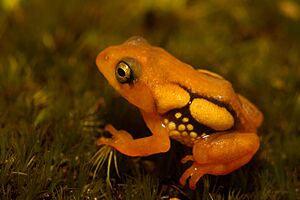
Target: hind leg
[(219, 154)]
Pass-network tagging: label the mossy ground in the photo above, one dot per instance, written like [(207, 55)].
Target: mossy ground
[(54, 102)]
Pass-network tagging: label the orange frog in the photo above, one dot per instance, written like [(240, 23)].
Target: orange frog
[(198, 108)]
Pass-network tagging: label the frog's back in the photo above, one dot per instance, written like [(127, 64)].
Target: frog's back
[(215, 89), (247, 115)]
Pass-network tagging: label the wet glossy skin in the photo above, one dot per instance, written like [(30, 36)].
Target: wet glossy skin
[(195, 107)]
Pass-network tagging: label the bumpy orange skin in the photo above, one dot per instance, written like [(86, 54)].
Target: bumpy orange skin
[(196, 107)]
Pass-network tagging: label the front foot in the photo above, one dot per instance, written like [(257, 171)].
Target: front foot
[(118, 137)]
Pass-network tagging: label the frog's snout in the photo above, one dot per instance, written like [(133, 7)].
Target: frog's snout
[(101, 58)]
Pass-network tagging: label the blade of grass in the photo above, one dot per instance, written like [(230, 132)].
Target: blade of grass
[(116, 163), (98, 160), (108, 169)]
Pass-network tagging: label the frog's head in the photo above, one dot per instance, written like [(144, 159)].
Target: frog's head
[(129, 69)]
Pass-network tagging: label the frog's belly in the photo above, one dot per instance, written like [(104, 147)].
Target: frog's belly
[(184, 128)]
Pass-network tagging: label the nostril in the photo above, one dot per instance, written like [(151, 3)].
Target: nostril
[(102, 57)]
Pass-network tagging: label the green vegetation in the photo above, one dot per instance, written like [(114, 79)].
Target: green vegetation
[(54, 102)]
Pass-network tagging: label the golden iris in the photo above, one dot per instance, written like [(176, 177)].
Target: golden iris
[(123, 72)]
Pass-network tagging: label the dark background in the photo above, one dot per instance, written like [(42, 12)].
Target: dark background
[(54, 102)]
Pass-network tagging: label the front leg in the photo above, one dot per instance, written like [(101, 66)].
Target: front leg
[(219, 154), (123, 142)]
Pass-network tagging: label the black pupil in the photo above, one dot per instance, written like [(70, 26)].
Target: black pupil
[(121, 72)]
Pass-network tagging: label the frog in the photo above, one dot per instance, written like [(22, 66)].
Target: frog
[(196, 107)]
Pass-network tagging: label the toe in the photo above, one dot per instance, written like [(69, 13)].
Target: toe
[(185, 176), (110, 129), (187, 158), (103, 141), (194, 179)]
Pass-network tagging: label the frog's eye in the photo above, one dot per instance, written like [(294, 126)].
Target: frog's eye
[(123, 72), (127, 70)]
